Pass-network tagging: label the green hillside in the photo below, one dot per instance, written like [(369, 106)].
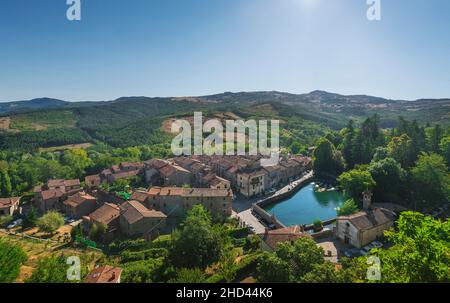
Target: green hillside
[(137, 120)]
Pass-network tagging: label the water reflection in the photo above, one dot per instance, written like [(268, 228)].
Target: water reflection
[(307, 205)]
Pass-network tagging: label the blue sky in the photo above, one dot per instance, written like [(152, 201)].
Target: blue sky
[(199, 47)]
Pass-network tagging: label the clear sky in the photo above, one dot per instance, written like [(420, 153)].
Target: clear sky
[(199, 47)]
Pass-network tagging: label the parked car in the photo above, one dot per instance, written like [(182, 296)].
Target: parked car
[(365, 250), (376, 244), (352, 253), (271, 191), (16, 223), (68, 220)]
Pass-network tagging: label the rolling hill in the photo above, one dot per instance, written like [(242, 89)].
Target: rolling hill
[(130, 121)]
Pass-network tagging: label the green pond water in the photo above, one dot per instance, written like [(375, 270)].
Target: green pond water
[(306, 206)]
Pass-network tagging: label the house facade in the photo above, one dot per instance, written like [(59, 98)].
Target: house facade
[(108, 214), (9, 206), (365, 226), (252, 184), (272, 238), (51, 195), (137, 220), (79, 205), (175, 201)]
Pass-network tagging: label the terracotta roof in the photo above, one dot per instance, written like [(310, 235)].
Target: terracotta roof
[(140, 196), (274, 168), (254, 174), (171, 169), (133, 165), (134, 211), (106, 213), (166, 191), (206, 192), (189, 192), (216, 180), (52, 193), (93, 178), (104, 274), (156, 163), (289, 163), (8, 202), (369, 219), (126, 174), (78, 199), (62, 183), (274, 237), (302, 160)]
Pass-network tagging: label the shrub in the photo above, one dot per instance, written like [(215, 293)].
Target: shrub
[(5, 220), (50, 222)]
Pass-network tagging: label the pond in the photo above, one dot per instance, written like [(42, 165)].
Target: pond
[(306, 206)]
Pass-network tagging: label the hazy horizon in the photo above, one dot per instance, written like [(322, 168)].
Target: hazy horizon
[(218, 93)]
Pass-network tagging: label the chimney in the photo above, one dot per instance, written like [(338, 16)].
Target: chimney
[(367, 199)]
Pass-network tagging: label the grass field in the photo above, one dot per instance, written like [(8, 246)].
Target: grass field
[(36, 249), (43, 120), (65, 147)]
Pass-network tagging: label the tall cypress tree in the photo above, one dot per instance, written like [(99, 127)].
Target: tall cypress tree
[(5, 182)]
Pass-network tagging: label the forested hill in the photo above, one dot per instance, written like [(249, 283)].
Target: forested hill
[(131, 121)]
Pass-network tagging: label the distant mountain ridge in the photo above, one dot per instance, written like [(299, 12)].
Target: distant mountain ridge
[(319, 106), (38, 103)]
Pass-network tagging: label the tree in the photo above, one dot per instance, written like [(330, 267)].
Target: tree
[(5, 183), (5, 220), (97, 231), (295, 148), (323, 273), (199, 243), (147, 271), (420, 252), (348, 144), (431, 181), (389, 177), (444, 147), (290, 262), (186, 275), (120, 185), (51, 269), (11, 259), (435, 136), (50, 222), (273, 269), (31, 218), (355, 181), (402, 149), (366, 140), (77, 160), (348, 208), (381, 153), (302, 254), (226, 265), (328, 160)]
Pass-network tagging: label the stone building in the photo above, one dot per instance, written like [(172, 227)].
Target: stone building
[(366, 226)]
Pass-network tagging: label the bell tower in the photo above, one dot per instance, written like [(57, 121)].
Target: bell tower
[(367, 199)]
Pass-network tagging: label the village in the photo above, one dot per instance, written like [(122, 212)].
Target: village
[(226, 186)]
